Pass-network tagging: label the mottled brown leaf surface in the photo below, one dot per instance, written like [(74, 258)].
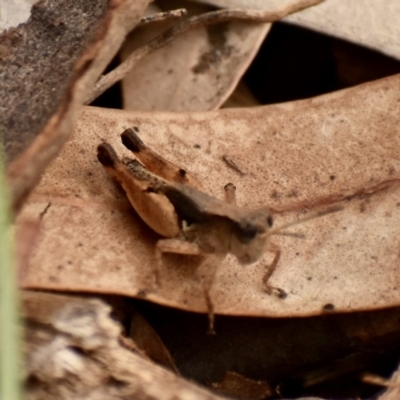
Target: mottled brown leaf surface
[(336, 149)]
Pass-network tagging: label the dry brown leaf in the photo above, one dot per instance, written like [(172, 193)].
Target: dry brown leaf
[(339, 148), (147, 340), (238, 386), (195, 72)]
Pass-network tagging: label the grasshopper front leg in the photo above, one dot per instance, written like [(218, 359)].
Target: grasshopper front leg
[(207, 268), (272, 248), (230, 193)]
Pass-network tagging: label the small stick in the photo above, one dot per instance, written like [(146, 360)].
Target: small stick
[(378, 381), (233, 165), (180, 12), (106, 81)]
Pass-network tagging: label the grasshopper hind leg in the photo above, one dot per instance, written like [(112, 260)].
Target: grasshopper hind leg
[(154, 162)]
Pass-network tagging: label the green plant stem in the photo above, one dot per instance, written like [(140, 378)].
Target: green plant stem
[(10, 344)]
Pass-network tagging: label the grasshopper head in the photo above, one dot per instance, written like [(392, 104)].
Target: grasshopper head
[(250, 235)]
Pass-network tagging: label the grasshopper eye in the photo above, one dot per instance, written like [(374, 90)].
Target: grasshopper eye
[(270, 221)]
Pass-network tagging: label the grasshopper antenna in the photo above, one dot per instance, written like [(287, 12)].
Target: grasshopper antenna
[(290, 234), (278, 230)]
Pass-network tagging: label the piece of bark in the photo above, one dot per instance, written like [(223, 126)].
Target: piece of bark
[(47, 65), (72, 350)]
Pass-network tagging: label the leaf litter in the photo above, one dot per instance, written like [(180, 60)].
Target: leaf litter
[(339, 137)]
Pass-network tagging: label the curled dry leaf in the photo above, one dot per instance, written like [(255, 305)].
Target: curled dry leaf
[(42, 87), (340, 148), (197, 71)]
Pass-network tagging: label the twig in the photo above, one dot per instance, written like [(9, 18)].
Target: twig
[(180, 12), (379, 381), (106, 81), (233, 165)]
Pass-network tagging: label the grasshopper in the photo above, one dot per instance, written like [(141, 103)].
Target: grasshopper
[(192, 222)]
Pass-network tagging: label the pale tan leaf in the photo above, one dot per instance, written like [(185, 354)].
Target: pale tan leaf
[(340, 148), (195, 72), (14, 12), (370, 23)]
